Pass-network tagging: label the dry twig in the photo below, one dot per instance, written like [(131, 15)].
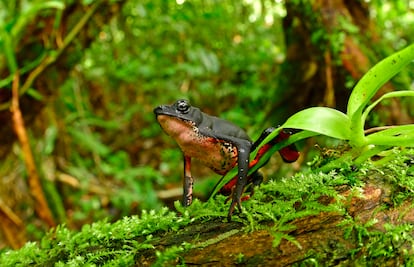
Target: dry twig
[(41, 206)]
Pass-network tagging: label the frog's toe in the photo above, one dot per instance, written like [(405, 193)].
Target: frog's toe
[(232, 206)]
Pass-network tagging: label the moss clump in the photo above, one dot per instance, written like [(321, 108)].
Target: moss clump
[(101, 243)]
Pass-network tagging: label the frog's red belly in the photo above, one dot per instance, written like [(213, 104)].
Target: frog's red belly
[(218, 155)]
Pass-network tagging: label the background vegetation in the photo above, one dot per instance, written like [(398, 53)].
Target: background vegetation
[(88, 86)]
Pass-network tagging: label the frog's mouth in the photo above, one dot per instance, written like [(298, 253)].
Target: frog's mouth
[(164, 113), (167, 111), (174, 126)]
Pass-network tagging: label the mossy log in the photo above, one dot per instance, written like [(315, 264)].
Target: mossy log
[(322, 238), (349, 217)]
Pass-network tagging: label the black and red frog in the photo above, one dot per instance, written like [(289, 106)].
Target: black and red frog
[(218, 144)]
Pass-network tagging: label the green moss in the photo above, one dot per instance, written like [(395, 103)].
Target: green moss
[(97, 244)]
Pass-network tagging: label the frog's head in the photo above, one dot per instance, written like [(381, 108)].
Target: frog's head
[(178, 118), (181, 109)]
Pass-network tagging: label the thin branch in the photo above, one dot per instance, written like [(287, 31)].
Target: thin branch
[(41, 205), (329, 96), (13, 217)]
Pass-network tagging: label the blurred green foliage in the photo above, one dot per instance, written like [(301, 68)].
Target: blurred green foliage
[(161, 51), (153, 53)]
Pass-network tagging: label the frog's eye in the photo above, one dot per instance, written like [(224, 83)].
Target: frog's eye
[(183, 106)]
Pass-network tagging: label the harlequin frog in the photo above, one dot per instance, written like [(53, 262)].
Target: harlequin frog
[(218, 144)]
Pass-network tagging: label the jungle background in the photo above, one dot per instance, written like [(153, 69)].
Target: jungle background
[(79, 80)]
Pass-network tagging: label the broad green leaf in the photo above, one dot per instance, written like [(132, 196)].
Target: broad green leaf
[(291, 140), (322, 120), (375, 78)]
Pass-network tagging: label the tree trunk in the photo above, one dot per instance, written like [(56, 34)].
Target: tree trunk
[(329, 42)]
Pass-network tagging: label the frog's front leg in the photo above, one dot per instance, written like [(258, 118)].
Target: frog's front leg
[(243, 153), (188, 182)]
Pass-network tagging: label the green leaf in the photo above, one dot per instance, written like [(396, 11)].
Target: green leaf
[(376, 77), (387, 95), (6, 46), (366, 88), (322, 120), (35, 94), (292, 139), (402, 135)]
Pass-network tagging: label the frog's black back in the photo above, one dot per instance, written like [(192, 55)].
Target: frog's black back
[(212, 126)]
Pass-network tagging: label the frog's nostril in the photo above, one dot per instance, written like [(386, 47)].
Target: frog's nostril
[(158, 110)]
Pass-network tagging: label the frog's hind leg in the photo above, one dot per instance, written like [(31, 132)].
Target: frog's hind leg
[(254, 180), (243, 152), (187, 183)]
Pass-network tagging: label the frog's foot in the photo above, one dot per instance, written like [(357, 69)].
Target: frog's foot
[(188, 191), (243, 198), (232, 206)]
